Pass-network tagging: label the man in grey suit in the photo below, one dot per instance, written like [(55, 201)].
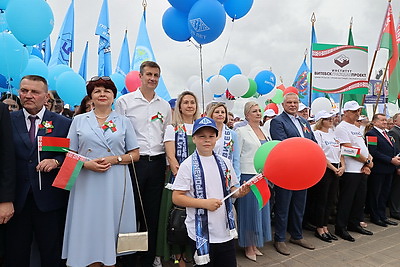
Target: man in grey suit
[(394, 198)]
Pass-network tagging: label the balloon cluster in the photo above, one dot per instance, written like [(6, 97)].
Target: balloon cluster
[(23, 23), (306, 159), (204, 20)]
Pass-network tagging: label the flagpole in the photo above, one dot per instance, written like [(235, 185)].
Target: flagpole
[(40, 174), (380, 89), (348, 42), (313, 19), (237, 189)]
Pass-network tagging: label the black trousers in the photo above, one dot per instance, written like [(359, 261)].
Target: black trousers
[(151, 177), (352, 194), (394, 198), (325, 195), (48, 228), (221, 254), (378, 194)]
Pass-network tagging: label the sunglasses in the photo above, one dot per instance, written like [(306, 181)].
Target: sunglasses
[(328, 119), (96, 78)]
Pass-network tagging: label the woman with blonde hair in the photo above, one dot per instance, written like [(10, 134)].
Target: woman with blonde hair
[(178, 146), (227, 141), (254, 225)]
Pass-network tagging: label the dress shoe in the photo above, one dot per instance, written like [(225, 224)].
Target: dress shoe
[(302, 242), (251, 257), (379, 222), (323, 237), (331, 236), (309, 227), (360, 230), (394, 216), (390, 222), (344, 235), (258, 253), (281, 248)]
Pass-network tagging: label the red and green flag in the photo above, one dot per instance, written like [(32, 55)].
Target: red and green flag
[(56, 144), (388, 40), (69, 171), (372, 140), (260, 189)]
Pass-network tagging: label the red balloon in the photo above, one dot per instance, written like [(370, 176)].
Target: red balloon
[(272, 106), (132, 81), (291, 89), (295, 164)]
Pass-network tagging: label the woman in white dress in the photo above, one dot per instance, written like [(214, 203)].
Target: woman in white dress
[(94, 209)]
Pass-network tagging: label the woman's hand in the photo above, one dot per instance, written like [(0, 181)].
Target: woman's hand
[(340, 171), (97, 165)]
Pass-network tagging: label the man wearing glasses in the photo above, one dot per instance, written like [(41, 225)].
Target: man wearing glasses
[(353, 186), (150, 115)]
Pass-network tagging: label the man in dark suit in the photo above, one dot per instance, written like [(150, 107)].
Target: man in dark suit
[(394, 198), (39, 212), (7, 174), (380, 179), (289, 204)]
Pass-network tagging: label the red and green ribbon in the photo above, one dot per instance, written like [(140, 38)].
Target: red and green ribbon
[(47, 125), (158, 116), (109, 125)]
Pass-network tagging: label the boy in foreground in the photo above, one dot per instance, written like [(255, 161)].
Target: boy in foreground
[(203, 180)]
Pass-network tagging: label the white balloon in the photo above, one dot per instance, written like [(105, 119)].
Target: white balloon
[(204, 95), (321, 103), (228, 103), (254, 71), (218, 84), (238, 85), (261, 101), (191, 80), (271, 94)]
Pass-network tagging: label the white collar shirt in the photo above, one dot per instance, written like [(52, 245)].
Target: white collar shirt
[(149, 119), (38, 121), (295, 119)]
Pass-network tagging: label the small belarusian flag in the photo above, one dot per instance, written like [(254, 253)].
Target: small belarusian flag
[(260, 189), (69, 171), (372, 140), (350, 151), (56, 144)]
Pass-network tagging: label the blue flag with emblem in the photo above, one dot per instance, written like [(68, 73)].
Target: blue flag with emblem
[(104, 50), (123, 65), (83, 67), (144, 52), (302, 84), (65, 41)]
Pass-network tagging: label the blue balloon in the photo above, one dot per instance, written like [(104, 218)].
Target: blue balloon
[(237, 9), (3, 22), (174, 23), (206, 21), (119, 80), (54, 73), (3, 82), (3, 4), (36, 66), (182, 5), (71, 87), (209, 78), (229, 70), (31, 21), (265, 81), (13, 56)]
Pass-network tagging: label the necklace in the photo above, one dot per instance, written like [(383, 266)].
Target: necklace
[(99, 117)]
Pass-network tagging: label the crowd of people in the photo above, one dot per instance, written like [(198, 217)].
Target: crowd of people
[(176, 157)]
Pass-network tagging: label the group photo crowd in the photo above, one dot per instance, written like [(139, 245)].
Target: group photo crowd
[(180, 174)]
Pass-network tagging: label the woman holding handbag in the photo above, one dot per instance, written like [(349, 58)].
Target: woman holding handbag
[(103, 187), (178, 146)]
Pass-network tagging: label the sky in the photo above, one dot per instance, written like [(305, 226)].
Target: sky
[(273, 35)]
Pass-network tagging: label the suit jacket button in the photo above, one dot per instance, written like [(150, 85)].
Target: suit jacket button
[(108, 150)]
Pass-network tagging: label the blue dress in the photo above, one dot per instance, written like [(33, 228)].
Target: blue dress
[(95, 201)]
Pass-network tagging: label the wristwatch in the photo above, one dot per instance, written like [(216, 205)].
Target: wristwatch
[(367, 162), (119, 159)]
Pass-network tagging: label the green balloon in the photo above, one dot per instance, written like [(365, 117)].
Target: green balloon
[(252, 89), (278, 97), (262, 153)]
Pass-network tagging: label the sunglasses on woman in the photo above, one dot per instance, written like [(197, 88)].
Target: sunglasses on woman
[(96, 78)]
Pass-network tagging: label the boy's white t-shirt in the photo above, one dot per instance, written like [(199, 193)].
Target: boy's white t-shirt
[(349, 133), (217, 220)]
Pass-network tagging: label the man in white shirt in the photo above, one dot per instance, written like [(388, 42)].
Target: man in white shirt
[(353, 187), (150, 116)]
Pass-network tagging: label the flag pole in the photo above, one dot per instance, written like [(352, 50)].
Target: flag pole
[(250, 181), (313, 19), (380, 89), (40, 174), (341, 95)]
